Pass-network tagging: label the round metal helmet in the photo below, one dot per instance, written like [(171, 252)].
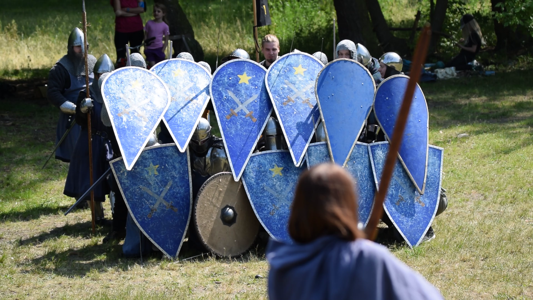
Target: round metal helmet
[(104, 65), (152, 141), (392, 59), (205, 66), (363, 55), (347, 45), (240, 53), (217, 161), (185, 55), (76, 39), (200, 136), (322, 57), (320, 133), (137, 60)]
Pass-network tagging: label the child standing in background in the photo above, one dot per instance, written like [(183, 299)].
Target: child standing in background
[(154, 32)]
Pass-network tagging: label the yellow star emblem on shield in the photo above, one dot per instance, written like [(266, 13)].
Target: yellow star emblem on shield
[(178, 73), (152, 170), (136, 84), (276, 170), (244, 78), (299, 70)]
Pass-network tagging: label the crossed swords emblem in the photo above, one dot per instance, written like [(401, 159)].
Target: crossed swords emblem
[(282, 197), (401, 199), (298, 93), (160, 199), (184, 91), (242, 106), (136, 107)]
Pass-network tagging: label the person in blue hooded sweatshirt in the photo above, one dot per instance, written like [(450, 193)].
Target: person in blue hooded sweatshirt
[(331, 259)]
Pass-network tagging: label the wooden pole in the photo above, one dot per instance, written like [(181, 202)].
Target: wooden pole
[(89, 129), (255, 31), (416, 70)]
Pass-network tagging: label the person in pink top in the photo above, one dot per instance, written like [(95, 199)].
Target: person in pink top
[(128, 26), (155, 30)]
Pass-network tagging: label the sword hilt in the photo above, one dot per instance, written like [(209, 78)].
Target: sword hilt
[(233, 113), (251, 116)]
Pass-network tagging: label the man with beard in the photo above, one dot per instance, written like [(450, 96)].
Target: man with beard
[(270, 49), (65, 80)]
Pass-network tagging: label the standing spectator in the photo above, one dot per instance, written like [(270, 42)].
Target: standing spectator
[(154, 32), (128, 26)]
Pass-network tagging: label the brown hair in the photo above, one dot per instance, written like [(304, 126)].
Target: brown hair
[(270, 38), (325, 203), (469, 28), (163, 8)]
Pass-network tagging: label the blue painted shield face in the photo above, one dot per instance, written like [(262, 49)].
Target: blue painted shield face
[(414, 149), (242, 106), (345, 91), (188, 83), (291, 81), (359, 166), (270, 181), (411, 212), (158, 194), (136, 100)]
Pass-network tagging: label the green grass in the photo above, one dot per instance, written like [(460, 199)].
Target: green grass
[(482, 248), (35, 39)]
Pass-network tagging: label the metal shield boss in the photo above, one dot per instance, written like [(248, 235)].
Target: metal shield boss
[(136, 100), (270, 181), (413, 152), (290, 81), (188, 83), (242, 107), (345, 92), (411, 212), (158, 194), (359, 166), (223, 217)]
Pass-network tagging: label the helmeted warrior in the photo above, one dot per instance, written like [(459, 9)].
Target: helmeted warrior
[(272, 137), (346, 49), (236, 54), (78, 174), (322, 57), (207, 153), (65, 80), (185, 55), (205, 65), (390, 64)]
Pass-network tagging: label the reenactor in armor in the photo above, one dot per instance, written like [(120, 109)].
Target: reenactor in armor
[(207, 155), (390, 64), (65, 80), (185, 55), (272, 137), (237, 54), (78, 174), (322, 57), (270, 49)]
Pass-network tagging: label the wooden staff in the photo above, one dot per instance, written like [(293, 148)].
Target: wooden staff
[(255, 31), (397, 135), (89, 129)]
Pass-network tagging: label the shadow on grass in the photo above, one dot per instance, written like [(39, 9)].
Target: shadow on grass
[(78, 230), (32, 213)]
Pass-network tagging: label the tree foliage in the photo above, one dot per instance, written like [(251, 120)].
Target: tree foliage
[(515, 13)]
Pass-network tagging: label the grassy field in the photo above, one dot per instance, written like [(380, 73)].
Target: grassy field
[(34, 39), (483, 241)]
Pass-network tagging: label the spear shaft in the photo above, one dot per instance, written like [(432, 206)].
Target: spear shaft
[(89, 129)]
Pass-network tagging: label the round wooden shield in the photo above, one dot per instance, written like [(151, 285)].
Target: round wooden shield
[(224, 218)]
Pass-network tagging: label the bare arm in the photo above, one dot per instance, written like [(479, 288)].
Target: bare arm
[(165, 44)]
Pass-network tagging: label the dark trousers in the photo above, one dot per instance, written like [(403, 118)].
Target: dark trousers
[(121, 39), (120, 213), (460, 62)]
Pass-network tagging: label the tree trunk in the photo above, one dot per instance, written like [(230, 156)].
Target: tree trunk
[(179, 25), (437, 21), (387, 41), (354, 24), (501, 32)]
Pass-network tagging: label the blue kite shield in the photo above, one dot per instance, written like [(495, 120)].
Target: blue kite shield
[(411, 212), (345, 92), (290, 81), (359, 166), (136, 100), (158, 194), (413, 152), (242, 107), (188, 83), (270, 181)]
